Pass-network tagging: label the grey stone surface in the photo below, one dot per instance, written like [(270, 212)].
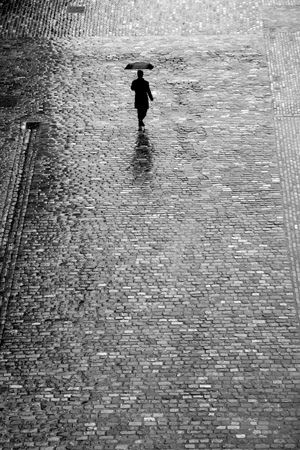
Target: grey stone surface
[(149, 278), (130, 18)]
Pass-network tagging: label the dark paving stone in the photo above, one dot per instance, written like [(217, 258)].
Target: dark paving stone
[(8, 101), (76, 9)]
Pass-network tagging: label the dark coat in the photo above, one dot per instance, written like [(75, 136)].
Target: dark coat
[(142, 91)]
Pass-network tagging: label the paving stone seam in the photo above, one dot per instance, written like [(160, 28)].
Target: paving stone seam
[(287, 142), (291, 201), (283, 56), (14, 225), (9, 199)]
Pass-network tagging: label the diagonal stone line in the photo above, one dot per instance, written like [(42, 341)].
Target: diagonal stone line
[(9, 202), (288, 147), (14, 226)]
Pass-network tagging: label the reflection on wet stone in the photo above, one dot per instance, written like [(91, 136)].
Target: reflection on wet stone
[(142, 160), (149, 288)]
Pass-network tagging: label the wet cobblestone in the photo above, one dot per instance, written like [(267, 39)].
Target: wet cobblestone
[(282, 33), (151, 283), (129, 18), (152, 305)]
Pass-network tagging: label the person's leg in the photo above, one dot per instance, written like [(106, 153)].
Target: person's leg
[(141, 115), (144, 115)]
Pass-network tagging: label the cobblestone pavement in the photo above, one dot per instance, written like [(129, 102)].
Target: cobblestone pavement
[(150, 279), (129, 17)]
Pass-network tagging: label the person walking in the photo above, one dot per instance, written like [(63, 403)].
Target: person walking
[(142, 92)]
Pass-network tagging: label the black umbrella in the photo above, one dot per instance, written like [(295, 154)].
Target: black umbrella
[(139, 65)]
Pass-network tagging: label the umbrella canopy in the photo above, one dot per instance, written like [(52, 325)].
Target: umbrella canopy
[(139, 65)]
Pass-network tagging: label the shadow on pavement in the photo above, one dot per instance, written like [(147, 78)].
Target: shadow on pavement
[(142, 159)]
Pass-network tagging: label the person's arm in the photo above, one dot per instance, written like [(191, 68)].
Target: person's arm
[(132, 86), (149, 93)]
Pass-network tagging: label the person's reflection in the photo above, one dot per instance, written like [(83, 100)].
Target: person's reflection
[(142, 160)]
